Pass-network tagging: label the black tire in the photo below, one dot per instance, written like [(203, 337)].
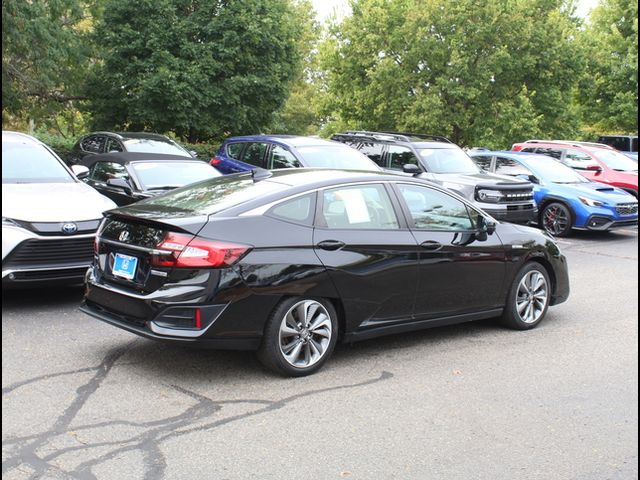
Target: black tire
[(528, 298), (557, 219), (311, 346)]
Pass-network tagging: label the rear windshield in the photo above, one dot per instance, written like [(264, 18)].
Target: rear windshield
[(338, 157), (448, 160), (149, 145), (217, 194), (158, 175), (31, 163)]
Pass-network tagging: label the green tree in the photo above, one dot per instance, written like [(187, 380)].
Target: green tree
[(609, 93), (198, 68), (483, 73), (44, 56)]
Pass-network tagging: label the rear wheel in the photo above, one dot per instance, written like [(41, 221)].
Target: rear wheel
[(529, 298), (299, 337), (556, 218)]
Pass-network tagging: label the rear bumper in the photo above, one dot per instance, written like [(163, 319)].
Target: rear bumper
[(144, 329)]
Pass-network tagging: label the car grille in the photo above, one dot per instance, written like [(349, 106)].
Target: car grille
[(41, 253), (627, 208), (509, 196)]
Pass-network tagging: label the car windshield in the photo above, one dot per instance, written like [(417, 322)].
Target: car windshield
[(150, 145), (337, 157), (215, 195), (617, 161), (553, 171), (448, 160), (156, 175), (31, 163)]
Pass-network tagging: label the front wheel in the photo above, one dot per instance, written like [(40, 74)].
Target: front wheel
[(556, 219), (299, 337), (529, 298)]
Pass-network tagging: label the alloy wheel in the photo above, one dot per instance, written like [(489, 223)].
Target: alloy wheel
[(305, 333), (532, 296)]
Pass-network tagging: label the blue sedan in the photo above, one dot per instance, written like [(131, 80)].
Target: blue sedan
[(566, 200), (242, 154)]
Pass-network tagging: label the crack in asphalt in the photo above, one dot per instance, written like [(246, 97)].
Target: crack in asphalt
[(25, 448)]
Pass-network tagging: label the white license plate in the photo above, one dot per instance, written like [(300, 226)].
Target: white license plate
[(124, 266)]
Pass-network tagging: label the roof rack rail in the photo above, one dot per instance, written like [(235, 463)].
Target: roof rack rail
[(572, 142), (398, 136)]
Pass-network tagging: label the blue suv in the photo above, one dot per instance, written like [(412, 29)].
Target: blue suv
[(241, 154), (566, 200)]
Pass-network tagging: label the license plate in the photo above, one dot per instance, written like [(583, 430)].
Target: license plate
[(124, 266)]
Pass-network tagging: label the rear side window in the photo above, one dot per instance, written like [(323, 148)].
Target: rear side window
[(549, 152), (434, 210), (297, 210), (401, 156), (93, 144), (234, 150), (363, 207), (373, 151), (483, 162), (254, 154)]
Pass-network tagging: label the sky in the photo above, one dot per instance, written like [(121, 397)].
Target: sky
[(327, 7)]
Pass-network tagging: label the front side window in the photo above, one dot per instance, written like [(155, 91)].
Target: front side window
[(578, 159), (362, 207), (433, 210), (401, 156), (507, 166), (104, 171), (282, 158), (31, 163), (254, 154)]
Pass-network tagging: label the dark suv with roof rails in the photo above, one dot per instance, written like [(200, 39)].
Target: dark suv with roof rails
[(438, 159)]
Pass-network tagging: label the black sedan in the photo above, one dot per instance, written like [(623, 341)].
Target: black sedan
[(289, 263), (128, 177)]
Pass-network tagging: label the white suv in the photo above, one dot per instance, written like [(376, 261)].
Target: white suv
[(49, 217)]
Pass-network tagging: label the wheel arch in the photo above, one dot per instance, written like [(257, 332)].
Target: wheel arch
[(541, 260)]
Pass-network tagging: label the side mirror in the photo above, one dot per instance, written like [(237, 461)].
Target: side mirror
[(80, 171), (412, 169), (193, 153), (594, 168), (120, 183), (485, 228), (528, 178)]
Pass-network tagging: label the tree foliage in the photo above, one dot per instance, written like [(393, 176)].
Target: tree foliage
[(199, 68), (610, 87), (483, 73), (43, 55)]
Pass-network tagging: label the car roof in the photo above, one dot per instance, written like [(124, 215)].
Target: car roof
[(125, 135), (289, 140), (123, 158), (508, 153), (567, 144), (19, 137)]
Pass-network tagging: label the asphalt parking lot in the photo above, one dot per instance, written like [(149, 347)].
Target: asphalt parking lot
[(81, 399)]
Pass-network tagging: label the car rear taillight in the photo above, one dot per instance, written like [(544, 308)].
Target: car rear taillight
[(215, 161), (180, 250), (516, 147)]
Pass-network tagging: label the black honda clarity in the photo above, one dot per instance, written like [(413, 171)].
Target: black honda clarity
[(290, 262)]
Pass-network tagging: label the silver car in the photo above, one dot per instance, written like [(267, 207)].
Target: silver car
[(49, 217)]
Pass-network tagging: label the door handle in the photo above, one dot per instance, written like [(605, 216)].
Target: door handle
[(330, 245), (431, 245)]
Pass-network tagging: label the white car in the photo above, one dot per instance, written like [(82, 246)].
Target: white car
[(49, 217)]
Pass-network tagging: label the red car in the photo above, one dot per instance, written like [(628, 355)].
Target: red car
[(597, 162)]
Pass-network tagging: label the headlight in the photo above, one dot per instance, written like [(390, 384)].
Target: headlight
[(590, 202), (7, 222), (489, 196)]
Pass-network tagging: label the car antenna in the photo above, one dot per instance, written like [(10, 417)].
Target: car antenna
[(260, 174)]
